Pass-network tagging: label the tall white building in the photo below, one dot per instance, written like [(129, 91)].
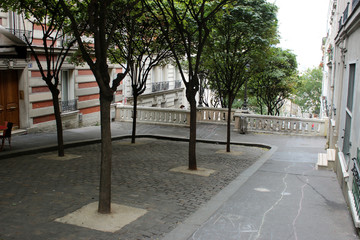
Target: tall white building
[(164, 88), (341, 89)]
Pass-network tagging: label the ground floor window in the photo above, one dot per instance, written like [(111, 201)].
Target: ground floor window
[(68, 101)]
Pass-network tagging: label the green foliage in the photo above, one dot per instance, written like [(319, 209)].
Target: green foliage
[(239, 31), (273, 79), (185, 25), (140, 44), (252, 103), (308, 91)]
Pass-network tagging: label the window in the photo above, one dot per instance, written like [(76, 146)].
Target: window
[(164, 74), (68, 103), (177, 78), (348, 120), (159, 79), (155, 74), (350, 95), (346, 143)]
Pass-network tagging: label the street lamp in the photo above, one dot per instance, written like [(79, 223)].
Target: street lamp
[(201, 92), (245, 104), (244, 107)]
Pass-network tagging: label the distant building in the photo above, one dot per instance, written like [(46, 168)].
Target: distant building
[(290, 109)]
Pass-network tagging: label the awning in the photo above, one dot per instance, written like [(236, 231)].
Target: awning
[(10, 45)]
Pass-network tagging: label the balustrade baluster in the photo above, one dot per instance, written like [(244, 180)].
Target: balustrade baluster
[(278, 126)]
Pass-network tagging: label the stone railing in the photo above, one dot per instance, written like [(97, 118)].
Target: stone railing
[(275, 124), (214, 115), (154, 115), (172, 115), (251, 122)]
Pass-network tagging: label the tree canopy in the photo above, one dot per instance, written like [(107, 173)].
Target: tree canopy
[(273, 79), (238, 32), (140, 45), (308, 91), (185, 25)]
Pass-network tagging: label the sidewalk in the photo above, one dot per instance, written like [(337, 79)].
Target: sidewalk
[(281, 196)]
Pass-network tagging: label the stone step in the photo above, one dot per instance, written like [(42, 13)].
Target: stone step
[(326, 160), (322, 162), (331, 153), (18, 131)]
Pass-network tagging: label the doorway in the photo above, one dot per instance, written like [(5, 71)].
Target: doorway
[(9, 99)]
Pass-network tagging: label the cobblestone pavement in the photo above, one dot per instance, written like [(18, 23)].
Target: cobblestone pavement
[(36, 189)]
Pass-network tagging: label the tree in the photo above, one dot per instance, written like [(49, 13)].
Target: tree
[(273, 79), (239, 31), (139, 44), (99, 19), (185, 28), (308, 90), (50, 18)]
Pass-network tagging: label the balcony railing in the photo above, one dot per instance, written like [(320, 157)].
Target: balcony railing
[(340, 23), (354, 4), (255, 123), (356, 182), (346, 13), (68, 106), (20, 33), (160, 86), (177, 84)]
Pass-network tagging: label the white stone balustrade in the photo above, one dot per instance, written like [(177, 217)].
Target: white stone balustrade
[(214, 115), (255, 123), (284, 125), (153, 115)]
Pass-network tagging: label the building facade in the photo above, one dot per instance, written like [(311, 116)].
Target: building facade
[(26, 100), (164, 88), (341, 90)]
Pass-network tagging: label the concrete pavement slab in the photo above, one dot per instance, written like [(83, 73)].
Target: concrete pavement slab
[(88, 217), (295, 201)]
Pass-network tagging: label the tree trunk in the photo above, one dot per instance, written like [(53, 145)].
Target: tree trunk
[(192, 139), (133, 135), (59, 129), (106, 153), (228, 133), (270, 110)]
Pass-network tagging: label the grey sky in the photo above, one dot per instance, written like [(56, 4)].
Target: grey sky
[(302, 25)]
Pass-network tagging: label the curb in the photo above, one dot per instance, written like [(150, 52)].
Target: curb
[(50, 148)]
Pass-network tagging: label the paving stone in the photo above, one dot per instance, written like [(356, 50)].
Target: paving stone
[(35, 191)]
